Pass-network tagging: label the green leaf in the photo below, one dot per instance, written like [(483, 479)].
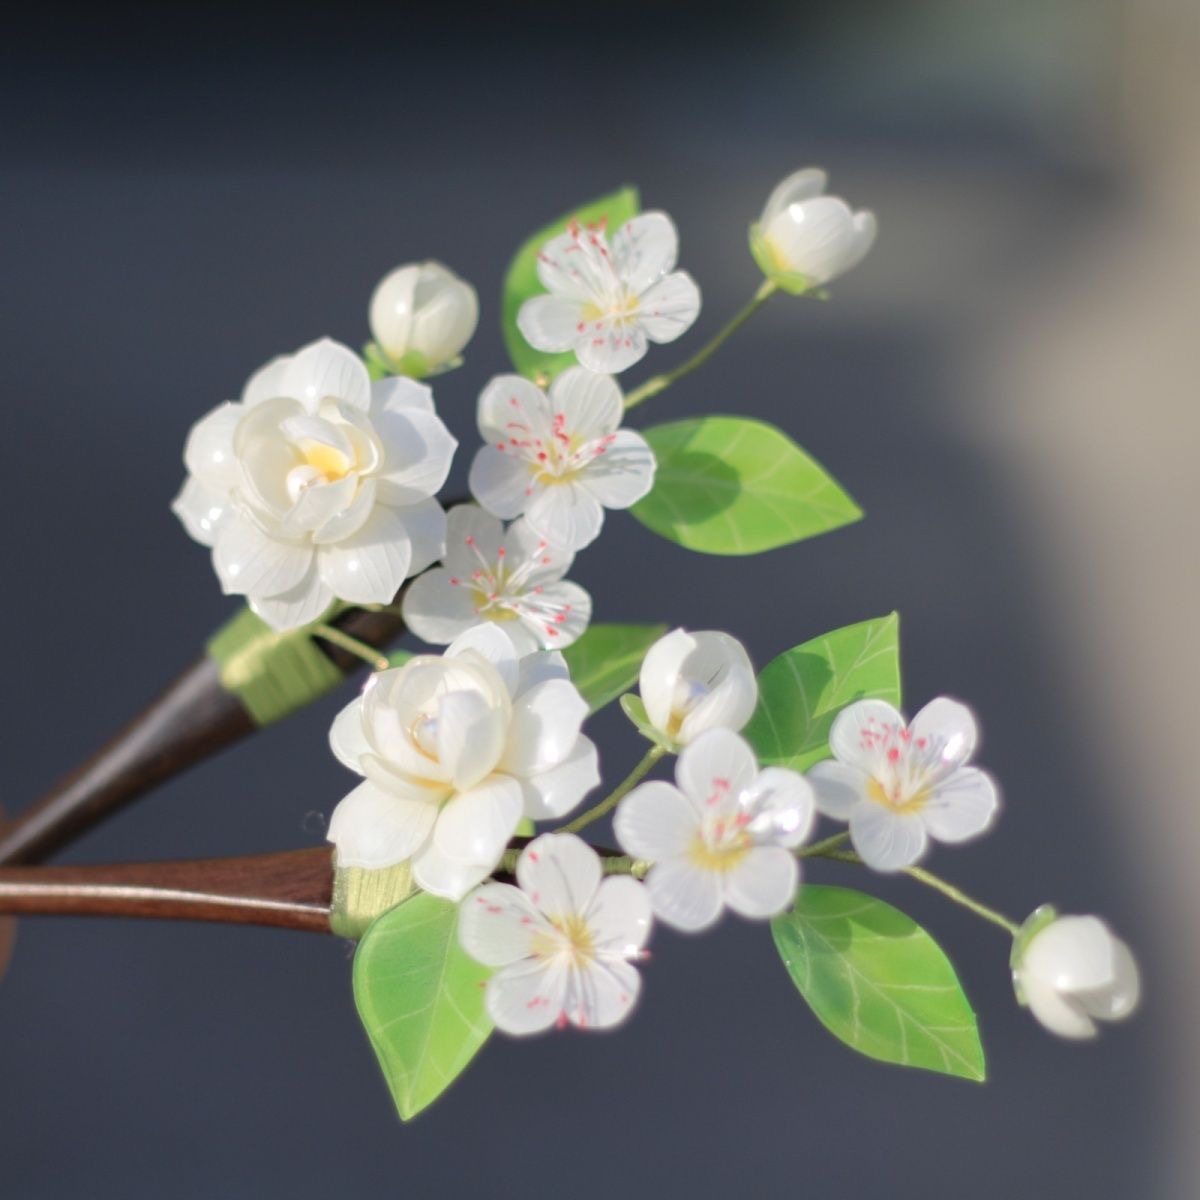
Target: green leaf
[(729, 485), (635, 710), (521, 282), (397, 658), (608, 659), (801, 691), (878, 981), (420, 998)]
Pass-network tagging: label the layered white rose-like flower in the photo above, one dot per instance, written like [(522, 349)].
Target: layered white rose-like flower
[(804, 238), (723, 837), (422, 315), (455, 750), (693, 682), (513, 577), (317, 486), (1072, 972), (901, 784), (607, 302), (563, 941), (560, 459)]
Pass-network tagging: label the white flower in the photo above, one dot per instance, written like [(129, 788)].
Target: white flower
[(722, 838), (563, 940), (317, 485), (422, 315), (560, 459), (456, 750), (899, 785), (1073, 972), (804, 238), (489, 574), (693, 682), (604, 303)]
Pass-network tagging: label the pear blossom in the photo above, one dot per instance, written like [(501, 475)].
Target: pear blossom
[(422, 315), (722, 837), (901, 784), (564, 940), (804, 238), (693, 682), (559, 459), (489, 574), (1072, 972), (317, 485), (455, 750), (606, 302)]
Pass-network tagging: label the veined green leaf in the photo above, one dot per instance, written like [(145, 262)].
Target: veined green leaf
[(420, 998), (521, 282), (607, 660), (635, 709), (878, 981), (801, 691), (730, 485)]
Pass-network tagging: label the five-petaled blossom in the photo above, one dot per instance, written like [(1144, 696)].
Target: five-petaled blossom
[(899, 785), (317, 485), (1072, 972), (804, 238), (489, 574), (422, 315), (605, 301), (560, 458), (563, 941), (722, 838), (693, 682), (455, 750)]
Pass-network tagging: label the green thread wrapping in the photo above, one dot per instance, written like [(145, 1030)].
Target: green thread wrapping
[(360, 895), (272, 674)]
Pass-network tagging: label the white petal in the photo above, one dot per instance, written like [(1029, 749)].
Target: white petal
[(491, 644), (550, 323), (474, 826), (348, 738), (558, 616), (854, 738), (619, 917), (398, 393), (500, 482), (546, 721), (560, 873), (612, 349), (329, 511), (645, 249), (1058, 1014), (450, 878), (1120, 996), (590, 404), (496, 925), (838, 788), (438, 611), (510, 405), (660, 673), (426, 525), (470, 737), (251, 563), (209, 454), (301, 605), (202, 512), (553, 793), (949, 727), (715, 768), (763, 883), (369, 566), (447, 314), (523, 545), (538, 668), (721, 663), (684, 895), (782, 806), (473, 539), (885, 840), (623, 472), (418, 450), (527, 997), (390, 312), (656, 821), (326, 370), (373, 828), (567, 515), (266, 383), (816, 238), (602, 994), (669, 308), (797, 187), (1075, 954), (961, 807)]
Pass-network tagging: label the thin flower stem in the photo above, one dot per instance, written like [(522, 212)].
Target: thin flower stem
[(617, 794), (661, 382), (929, 879), (821, 849), (331, 633)]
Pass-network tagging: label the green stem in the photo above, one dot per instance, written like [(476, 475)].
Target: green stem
[(822, 849), (661, 382), (617, 794), (332, 634)]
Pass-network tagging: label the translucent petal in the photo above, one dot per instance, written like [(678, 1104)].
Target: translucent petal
[(619, 917), (781, 806), (209, 453), (369, 566), (500, 482), (763, 883), (473, 539), (613, 349), (886, 840), (656, 821), (545, 726), (685, 896), (527, 997), (418, 450), (560, 873), (799, 186), (450, 878), (669, 308), (838, 788), (645, 249), (962, 806), (602, 994), (553, 793), (470, 737), (398, 393), (661, 670), (348, 738), (251, 563), (374, 828), (298, 606), (550, 323), (623, 472), (714, 769), (491, 645), (855, 735), (474, 827), (590, 404), (509, 405), (326, 370), (948, 727), (202, 512), (567, 515), (438, 611), (496, 925)]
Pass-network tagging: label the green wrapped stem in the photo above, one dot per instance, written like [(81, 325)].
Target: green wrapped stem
[(360, 895)]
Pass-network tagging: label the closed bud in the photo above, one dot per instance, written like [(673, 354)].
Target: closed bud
[(422, 315)]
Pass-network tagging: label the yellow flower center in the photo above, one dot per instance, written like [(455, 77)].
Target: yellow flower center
[(574, 940), (722, 853), (895, 799), (330, 462)]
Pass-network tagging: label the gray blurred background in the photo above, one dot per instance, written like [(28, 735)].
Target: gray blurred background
[(1006, 385)]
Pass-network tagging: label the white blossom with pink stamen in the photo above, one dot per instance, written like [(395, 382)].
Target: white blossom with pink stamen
[(511, 576), (901, 784), (559, 459), (607, 302)]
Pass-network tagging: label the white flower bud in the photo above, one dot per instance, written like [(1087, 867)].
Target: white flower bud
[(805, 238), (693, 682), (423, 312), (1072, 972)]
